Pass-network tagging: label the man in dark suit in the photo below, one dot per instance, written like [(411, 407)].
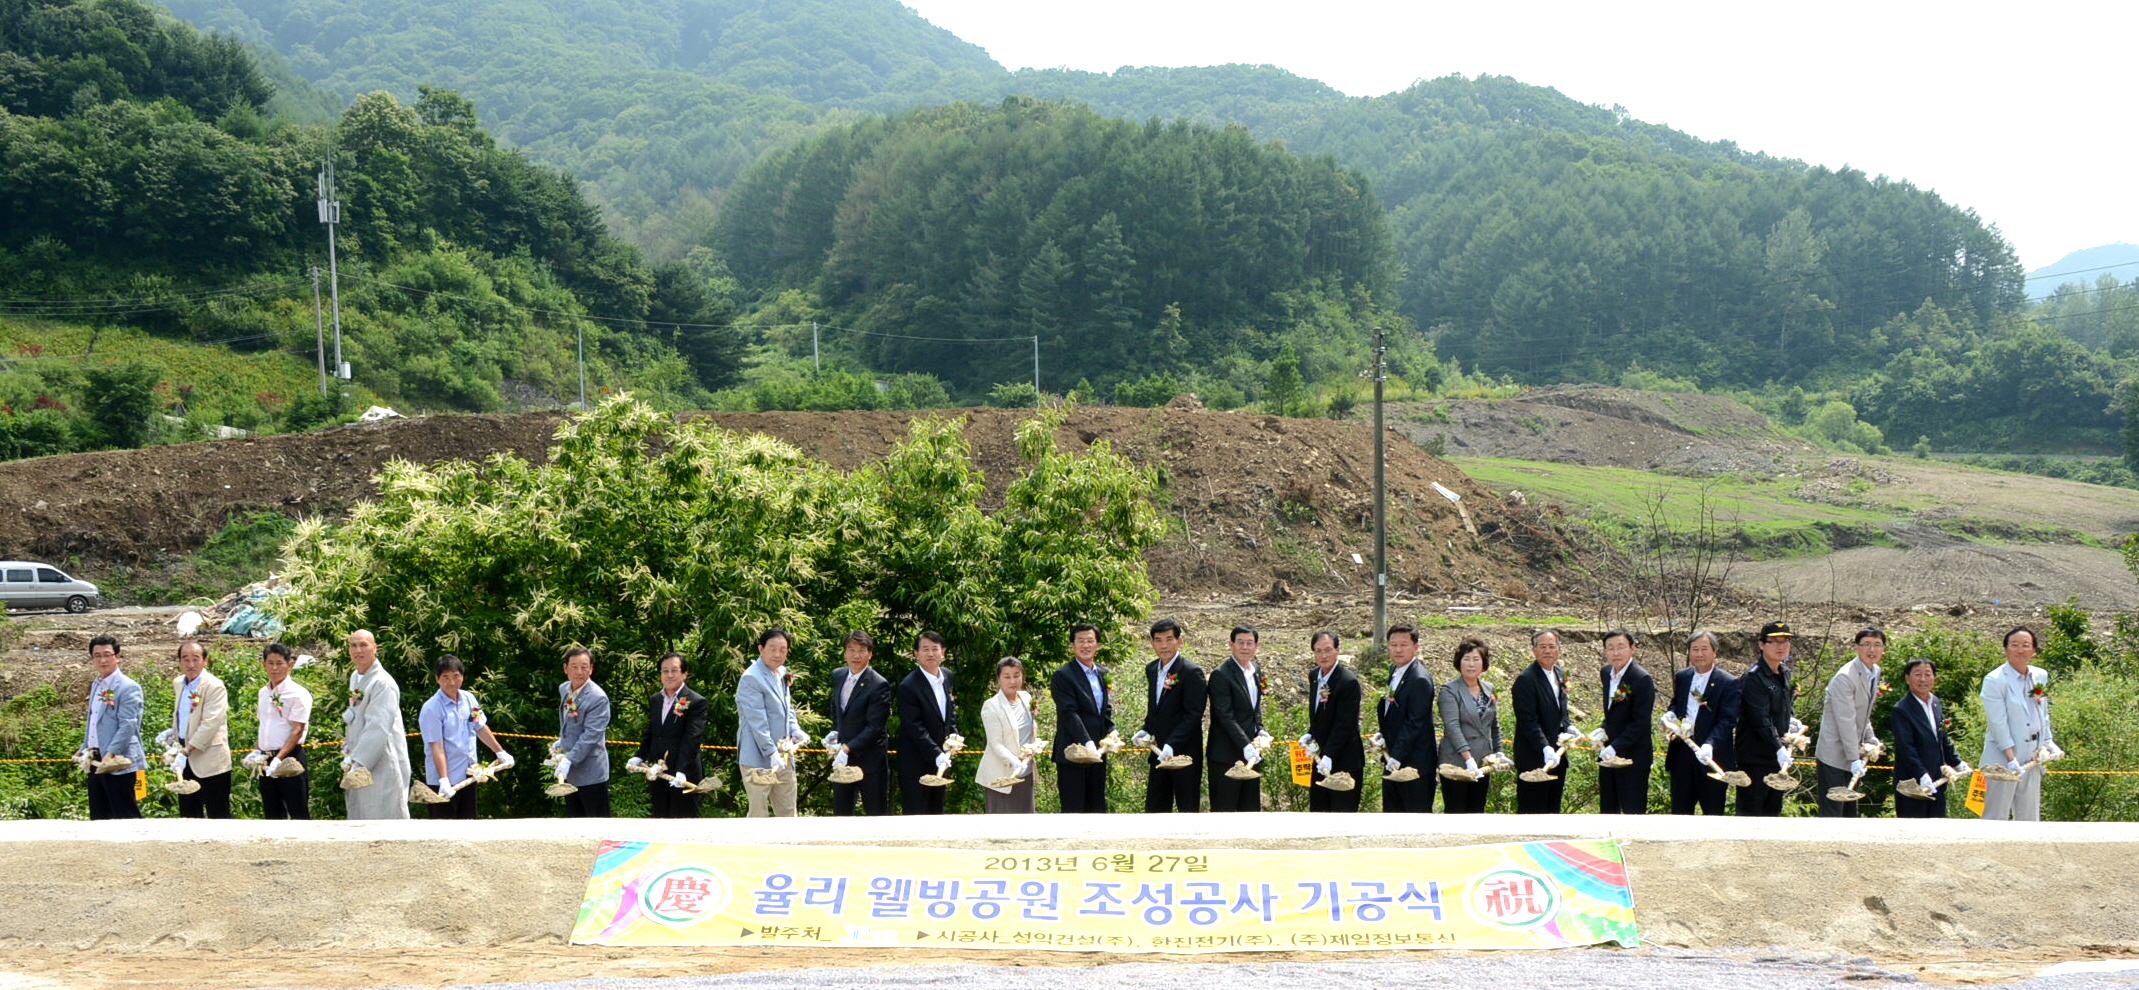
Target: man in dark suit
[(1236, 689), (1629, 702), (928, 714), (1333, 700), (1175, 689), (1708, 695), (1541, 723), (1763, 717), (675, 726), (1405, 719), (1084, 713), (861, 714), (1922, 745)]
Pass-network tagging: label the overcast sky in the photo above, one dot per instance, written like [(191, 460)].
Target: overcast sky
[(2020, 114)]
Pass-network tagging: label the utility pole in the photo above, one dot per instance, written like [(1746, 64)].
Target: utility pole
[(816, 359), (580, 331), (1381, 498), (1036, 371), (330, 213), (319, 329)]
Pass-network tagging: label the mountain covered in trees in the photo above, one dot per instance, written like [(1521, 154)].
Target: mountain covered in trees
[(760, 151)]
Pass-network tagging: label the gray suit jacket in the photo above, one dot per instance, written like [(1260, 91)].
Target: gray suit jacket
[(764, 714), (2011, 718), (1846, 715), (1463, 725), (116, 727), (584, 734)]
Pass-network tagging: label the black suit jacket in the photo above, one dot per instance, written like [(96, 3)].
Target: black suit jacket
[(1177, 721), (676, 741), (864, 724), (922, 727), (1406, 720), (1079, 717), (1763, 716), (1919, 750), (1715, 723), (1235, 721), (1335, 723), (1540, 714), (1626, 721)]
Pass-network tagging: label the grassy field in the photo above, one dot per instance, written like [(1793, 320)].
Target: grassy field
[(221, 377)]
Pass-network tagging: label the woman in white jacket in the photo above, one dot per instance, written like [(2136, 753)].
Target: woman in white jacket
[(1007, 718)]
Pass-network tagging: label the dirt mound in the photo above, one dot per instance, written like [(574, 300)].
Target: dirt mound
[(1258, 500), (1597, 424)]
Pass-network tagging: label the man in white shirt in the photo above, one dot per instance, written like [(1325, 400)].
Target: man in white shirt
[(284, 711), (113, 730), (1236, 699), (2016, 730), (1846, 722), (928, 715), (765, 719)]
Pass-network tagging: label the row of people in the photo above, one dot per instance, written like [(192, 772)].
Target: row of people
[(1720, 727)]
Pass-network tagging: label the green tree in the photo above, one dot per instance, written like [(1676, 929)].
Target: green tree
[(1284, 387), (121, 403)]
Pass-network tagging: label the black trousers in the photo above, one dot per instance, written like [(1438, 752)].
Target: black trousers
[(211, 801), (1623, 791), (1834, 777), (1908, 807), (665, 800), (1228, 794), (1082, 787), (1323, 799), (1409, 796), (873, 791), (1692, 790), (916, 798), (1543, 797), (1758, 800), (1173, 790), (111, 796), (1464, 797), (462, 804), (590, 801), (287, 797)]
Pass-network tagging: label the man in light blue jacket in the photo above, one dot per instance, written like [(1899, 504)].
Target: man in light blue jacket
[(766, 732), (2016, 731), (581, 748), (114, 731)]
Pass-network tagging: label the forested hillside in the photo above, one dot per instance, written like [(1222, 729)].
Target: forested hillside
[(1534, 237), (149, 187)]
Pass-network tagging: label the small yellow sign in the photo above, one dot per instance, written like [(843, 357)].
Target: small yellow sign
[(1975, 793), (1303, 768)]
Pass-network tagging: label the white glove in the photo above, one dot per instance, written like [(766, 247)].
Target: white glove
[(1782, 757), (1470, 764), (1568, 737), (1551, 757), (1026, 770), (1141, 738), (1251, 755), (1307, 742), (556, 747), (1262, 741), (1670, 722), (1705, 752), (446, 791), (1322, 766), (178, 766), (1796, 727), (348, 762), (165, 738), (632, 765), (1165, 753), (1597, 736), (504, 761), (1389, 763), (564, 769), (839, 759), (2056, 752), (676, 781), (1925, 782), (1965, 769), (943, 763), (831, 739), (272, 765), (800, 737), (953, 743), (1856, 768), (1605, 753), (2013, 765)]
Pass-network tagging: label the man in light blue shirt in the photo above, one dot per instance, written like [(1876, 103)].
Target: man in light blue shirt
[(452, 720), (766, 732), (114, 731)]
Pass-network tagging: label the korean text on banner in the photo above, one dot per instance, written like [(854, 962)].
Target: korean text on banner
[(1518, 895)]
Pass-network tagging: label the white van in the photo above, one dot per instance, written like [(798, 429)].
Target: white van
[(28, 584)]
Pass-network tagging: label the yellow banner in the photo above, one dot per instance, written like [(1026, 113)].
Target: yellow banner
[(1975, 793), (1514, 896)]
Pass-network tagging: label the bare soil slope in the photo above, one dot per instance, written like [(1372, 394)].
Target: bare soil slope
[(1257, 499)]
